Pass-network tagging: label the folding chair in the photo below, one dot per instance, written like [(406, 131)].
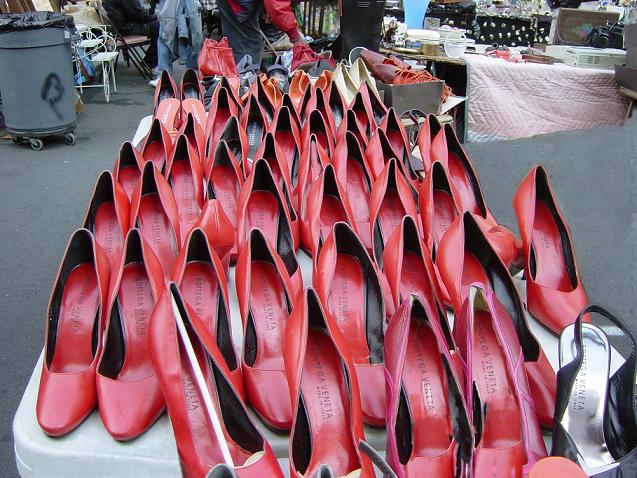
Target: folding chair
[(132, 46)]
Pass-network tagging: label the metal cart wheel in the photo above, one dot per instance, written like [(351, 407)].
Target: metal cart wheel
[(16, 139), (70, 138), (36, 144)]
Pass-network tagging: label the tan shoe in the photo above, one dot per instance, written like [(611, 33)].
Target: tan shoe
[(344, 83), (359, 74)]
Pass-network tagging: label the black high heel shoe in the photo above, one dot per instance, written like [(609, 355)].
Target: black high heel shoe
[(595, 419)]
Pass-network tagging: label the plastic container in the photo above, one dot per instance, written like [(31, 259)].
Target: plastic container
[(455, 47), (415, 12), (36, 77)]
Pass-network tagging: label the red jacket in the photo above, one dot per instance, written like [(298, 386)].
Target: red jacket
[(279, 11)]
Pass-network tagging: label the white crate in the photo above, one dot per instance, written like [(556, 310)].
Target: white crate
[(588, 57)]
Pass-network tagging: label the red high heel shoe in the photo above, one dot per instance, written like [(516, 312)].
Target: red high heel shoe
[(317, 126), (465, 256), (223, 182), (353, 172), (286, 101), (313, 161), (73, 337), (431, 142), (195, 135), (167, 105), (327, 204), (554, 291), (378, 153), (428, 428), (350, 123), (272, 153), (154, 212), (398, 140), (337, 107), (219, 231), (257, 90), (201, 278), (192, 97), (128, 391), (320, 103), (439, 206), (107, 215), (192, 404), (328, 421), (496, 388), (223, 107), (288, 138), (262, 205), (236, 139), (185, 177), (348, 283), (265, 297), (366, 104), (158, 146), (392, 199), (253, 122), (298, 85), (128, 167)]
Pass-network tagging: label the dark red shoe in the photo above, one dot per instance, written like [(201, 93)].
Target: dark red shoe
[(223, 107), (219, 230), (107, 216), (327, 204), (287, 136), (255, 124), (554, 291), (465, 256), (185, 177), (317, 126), (158, 146), (154, 212), (510, 439), (354, 174), (201, 278), (196, 136), (429, 432), (197, 443), (73, 336), (265, 296), (392, 198), (128, 167), (129, 396), (318, 365), (348, 283)]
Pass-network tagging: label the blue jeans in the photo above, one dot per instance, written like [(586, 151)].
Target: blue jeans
[(164, 56)]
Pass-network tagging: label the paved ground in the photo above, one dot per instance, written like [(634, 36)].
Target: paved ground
[(44, 195)]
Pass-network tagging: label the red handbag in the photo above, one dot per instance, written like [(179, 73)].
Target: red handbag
[(216, 58)]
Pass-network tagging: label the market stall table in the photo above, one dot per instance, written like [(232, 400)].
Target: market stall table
[(516, 100)]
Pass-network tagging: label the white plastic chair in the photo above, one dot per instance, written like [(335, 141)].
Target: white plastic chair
[(99, 47)]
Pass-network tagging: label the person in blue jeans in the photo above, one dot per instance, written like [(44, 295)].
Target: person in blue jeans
[(180, 34)]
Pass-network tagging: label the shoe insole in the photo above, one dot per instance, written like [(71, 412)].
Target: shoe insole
[(107, 231), (190, 91), (182, 183), (390, 214), (157, 230), (136, 304), (269, 312), (501, 428), (219, 121), (337, 113), (200, 290), (584, 416), (444, 213), (414, 279), (262, 212), (254, 131), (358, 190), (550, 264), (226, 187), (396, 141), (347, 303), (332, 211), (128, 177), (196, 108), (363, 119), (76, 321), (326, 400), (167, 112), (425, 386), (277, 173), (200, 423), (459, 175), (155, 152)]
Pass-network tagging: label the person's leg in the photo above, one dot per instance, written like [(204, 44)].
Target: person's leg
[(164, 57), (151, 30), (244, 38)]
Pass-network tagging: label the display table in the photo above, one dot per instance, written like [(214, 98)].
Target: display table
[(516, 100)]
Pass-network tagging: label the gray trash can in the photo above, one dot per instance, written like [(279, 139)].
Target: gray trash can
[(36, 76)]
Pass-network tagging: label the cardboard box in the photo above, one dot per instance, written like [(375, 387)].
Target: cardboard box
[(570, 26), (626, 77), (630, 36), (423, 96)]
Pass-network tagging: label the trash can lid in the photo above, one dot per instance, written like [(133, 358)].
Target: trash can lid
[(11, 22)]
